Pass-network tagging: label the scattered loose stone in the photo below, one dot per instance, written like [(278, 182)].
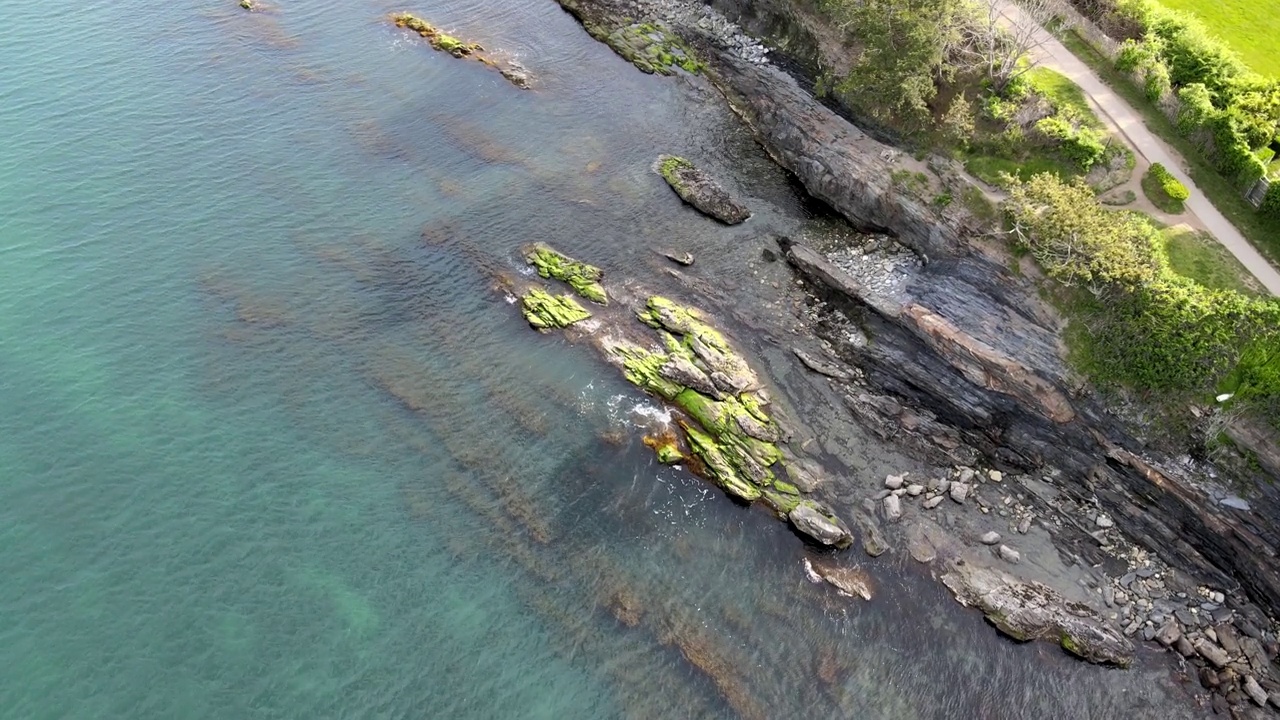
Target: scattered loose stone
[(995, 475), (1009, 555), (915, 490), (685, 259), (933, 502), (1169, 633), (1024, 526), (959, 492), (1255, 691), (1212, 653), (893, 508), (1148, 633), (1104, 522), (893, 482), (991, 538), (1184, 648), (966, 475)]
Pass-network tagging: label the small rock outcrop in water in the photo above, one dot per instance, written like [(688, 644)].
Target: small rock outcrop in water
[(727, 433), (544, 310), (1032, 611), (583, 278), (512, 71), (696, 188)]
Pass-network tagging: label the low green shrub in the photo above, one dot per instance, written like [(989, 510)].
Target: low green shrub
[(1085, 146), (1170, 184)]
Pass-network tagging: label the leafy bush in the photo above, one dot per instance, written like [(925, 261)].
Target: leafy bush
[(1155, 81), (1147, 327), (1083, 145), (1271, 201), (1196, 108), (1170, 184)]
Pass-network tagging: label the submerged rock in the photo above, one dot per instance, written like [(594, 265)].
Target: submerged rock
[(851, 581), (1032, 611), (439, 40), (513, 71), (698, 189)]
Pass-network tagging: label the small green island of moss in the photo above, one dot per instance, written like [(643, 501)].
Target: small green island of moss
[(544, 310), (439, 40), (583, 278)]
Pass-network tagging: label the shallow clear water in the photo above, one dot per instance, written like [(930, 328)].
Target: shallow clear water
[(272, 447)]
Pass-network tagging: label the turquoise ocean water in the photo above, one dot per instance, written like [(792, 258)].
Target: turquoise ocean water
[(272, 447)]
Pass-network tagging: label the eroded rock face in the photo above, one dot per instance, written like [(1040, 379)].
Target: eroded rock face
[(699, 190), (1032, 611)]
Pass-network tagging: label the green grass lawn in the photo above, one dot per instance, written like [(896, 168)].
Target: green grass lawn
[(1198, 256), (1262, 233), (988, 168), (1248, 26), (1064, 95)]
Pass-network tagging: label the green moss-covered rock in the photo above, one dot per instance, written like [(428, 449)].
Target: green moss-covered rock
[(439, 40), (700, 190), (723, 365), (643, 368), (781, 503), (544, 310), (583, 278), (652, 48), (718, 468)]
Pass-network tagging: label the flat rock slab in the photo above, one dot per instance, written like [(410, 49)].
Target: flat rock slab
[(1033, 611), (699, 190)]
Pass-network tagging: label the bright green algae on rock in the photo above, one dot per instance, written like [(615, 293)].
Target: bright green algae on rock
[(730, 437), (583, 278), (729, 431), (544, 310), (439, 40)]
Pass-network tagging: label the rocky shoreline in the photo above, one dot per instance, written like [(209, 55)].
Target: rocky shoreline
[(964, 368)]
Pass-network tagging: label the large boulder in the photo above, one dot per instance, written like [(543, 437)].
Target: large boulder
[(698, 189), (1033, 611), (827, 529)]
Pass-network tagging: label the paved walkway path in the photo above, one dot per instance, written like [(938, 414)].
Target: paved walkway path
[(1123, 120)]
